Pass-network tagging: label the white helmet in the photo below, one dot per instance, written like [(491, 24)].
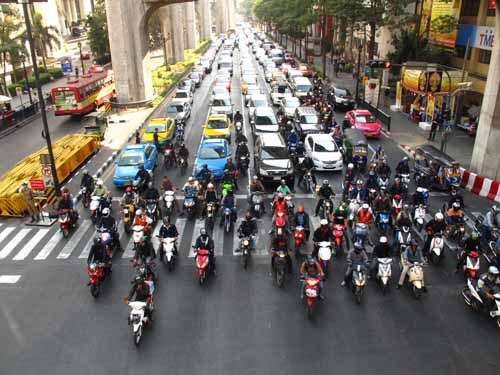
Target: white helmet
[(383, 239), (439, 216), (191, 179), (323, 222), (99, 182), (105, 212), (350, 166), (210, 186), (138, 212), (365, 206), (493, 270)]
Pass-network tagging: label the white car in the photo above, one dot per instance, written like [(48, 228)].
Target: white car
[(257, 101), (324, 152), (269, 74), (184, 96), (278, 93), (288, 105)]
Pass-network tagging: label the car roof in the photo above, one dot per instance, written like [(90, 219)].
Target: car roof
[(271, 140), (307, 111), (259, 96), (183, 91), (177, 102), (361, 112), (217, 116), (301, 79), (213, 142), (320, 137), (222, 96), (264, 111), (136, 147)]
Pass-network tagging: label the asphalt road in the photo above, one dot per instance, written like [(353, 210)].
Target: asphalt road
[(240, 323)]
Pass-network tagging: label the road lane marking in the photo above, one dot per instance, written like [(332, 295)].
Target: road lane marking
[(49, 246), (74, 240), (28, 248), (14, 242), (198, 224), (9, 279), (5, 233)]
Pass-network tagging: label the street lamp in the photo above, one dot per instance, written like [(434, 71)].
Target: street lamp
[(23, 60), (81, 57), (360, 48)]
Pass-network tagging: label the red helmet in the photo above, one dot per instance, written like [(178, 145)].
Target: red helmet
[(128, 189), (397, 197), (300, 209)]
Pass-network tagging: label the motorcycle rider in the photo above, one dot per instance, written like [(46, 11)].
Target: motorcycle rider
[(141, 292), (301, 219), (141, 219), (381, 250), (396, 188), (108, 224), (455, 215), (292, 140), (382, 203), (355, 256), (436, 225), (364, 215), (233, 171), (98, 254), (203, 175), (183, 152), (87, 181), (411, 255), (280, 242), (311, 268), (383, 168), (238, 117), (100, 190), (242, 151), (341, 213), (372, 181), (248, 228), (142, 176), (191, 189), (485, 285), (256, 186), (455, 197), (129, 197), (471, 243), (350, 174), (210, 197), (168, 230), (205, 242), (144, 252), (325, 192), (307, 165), (151, 193), (240, 138), (170, 146), (378, 155), (228, 201), (403, 167), (489, 223), (66, 204), (418, 197), (359, 192), (321, 234), (283, 188)]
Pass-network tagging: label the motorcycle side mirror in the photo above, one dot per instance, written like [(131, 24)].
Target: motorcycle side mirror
[(229, 153)]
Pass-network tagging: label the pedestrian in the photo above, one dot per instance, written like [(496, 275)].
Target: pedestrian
[(432, 134), (336, 68), (137, 137), (156, 139), (29, 201)]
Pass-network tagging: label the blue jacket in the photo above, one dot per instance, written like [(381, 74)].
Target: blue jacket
[(361, 195)]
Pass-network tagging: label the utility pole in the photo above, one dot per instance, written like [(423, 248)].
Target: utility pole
[(357, 72), (323, 37)]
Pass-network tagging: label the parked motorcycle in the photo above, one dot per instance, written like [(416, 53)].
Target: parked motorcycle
[(473, 299)]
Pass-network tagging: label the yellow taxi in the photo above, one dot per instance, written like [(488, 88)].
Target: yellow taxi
[(247, 80), (218, 126), (165, 128)]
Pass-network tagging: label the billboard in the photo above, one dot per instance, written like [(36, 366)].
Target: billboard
[(482, 37), (445, 15), (424, 82)]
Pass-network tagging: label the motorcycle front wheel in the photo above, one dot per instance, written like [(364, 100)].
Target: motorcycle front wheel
[(65, 232), (416, 292), (359, 294), (137, 336), (95, 290), (280, 278)]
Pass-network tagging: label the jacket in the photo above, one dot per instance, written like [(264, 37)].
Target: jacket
[(248, 227), (141, 294), (360, 195), (382, 251), (97, 254), (168, 232), (301, 219), (357, 258), (326, 192), (319, 235), (413, 257), (204, 243)]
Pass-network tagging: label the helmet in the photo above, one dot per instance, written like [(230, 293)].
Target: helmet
[(474, 235), (138, 212), (413, 243), (97, 240), (494, 207), (359, 182), (493, 270), (248, 216), (365, 206), (397, 197), (383, 239), (166, 220), (128, 189), (203, 231), (255, 178), (406, 158), (99, 182), (280, 195), (138, 279), (105, 212), (397, 179), (379, 148), (350, 166), (358, 246), (292, 130), (325, 182), (210, 186), (141, 166), (323, 222), (406, 206), (150, 185), (300, 209), (190, 179), (371, 173), (135, 183), (283, 182), (439, 216), (310, 260), (85, 172), (456, 205), (204, 166), (420, 189)]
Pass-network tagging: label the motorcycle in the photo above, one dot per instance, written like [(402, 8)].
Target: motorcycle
[(358, 281), (298, 239), (169, 202), (360, 232), (419, 216), (405, 182), (65, 222), (403, 238), (311, 292), (245, 251), (383, 182), (97, 273), (325, 255), (190, 207), (384, 273), (257, 204), (203, 265), (396, 207), (352, 208), (491, 254), (228, 219), (415, 278), (473, 299), (290, 206), (455, 232), (182, 162), (86, 194), (138, 319), (107, 241), (308, 182), (166, 251), (137, 235), (152, 210), (128, 217), (436, 254), (338, 234), (326, 209), (179, 134), (383, 221), (280, 221), (472, 264), (243, 163), (238, 127), (211, 212), (280, 267), (168, 158), (95, 208)]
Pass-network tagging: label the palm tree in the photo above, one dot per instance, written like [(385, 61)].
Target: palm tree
[(11, 44), (45, 37)]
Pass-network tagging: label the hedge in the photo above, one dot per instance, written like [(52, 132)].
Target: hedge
[(53, 73)]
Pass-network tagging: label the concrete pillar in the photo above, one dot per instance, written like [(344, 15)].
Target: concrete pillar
[(191, 34), (166, 27), (204, 18), (176, 20), (72, 9), (129, 49), (51, 17), (231, 14), (221, 16), (81, 8), (485, 159)]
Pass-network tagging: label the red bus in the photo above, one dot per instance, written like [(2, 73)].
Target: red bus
[(84, 94)]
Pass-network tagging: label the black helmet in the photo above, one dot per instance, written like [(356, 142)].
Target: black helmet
[(97, 240), (310, 260)]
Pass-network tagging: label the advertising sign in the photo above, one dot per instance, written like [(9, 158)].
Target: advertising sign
[(442, 12), (37, 184), (482, 37), (66, 65), (439, 82)]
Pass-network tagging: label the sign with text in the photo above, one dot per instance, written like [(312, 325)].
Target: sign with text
[(442, 12), (37, 184), (482, 37), (66, 65)]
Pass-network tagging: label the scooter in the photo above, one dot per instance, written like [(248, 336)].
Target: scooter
[(383, 182), (404, 238), (308, 182), (311, 292), (358, 281), (384, 273), (280, 267), (280, 221), (137, 319), (182, 162), (415, 279), (473, 299), (290, 206), (326, 209), (257, 206), (128, 217), (360, 232), (353, 208), (298, 239), (152, 210), (405, 182), (86, 194), (168, 158), (245, 251), (325, 255), (190, 207), (419, 216), (203, 265), (167, 253), (472, 264), (96, 272), (137, 235), (436, 254), (169, 202), (95, 208), (210, 219), (65, 222), (243, 163), (228, 219)]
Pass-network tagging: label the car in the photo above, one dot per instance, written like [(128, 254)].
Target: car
[(127, 164), (213, 152), (183, 96), (252, 90), (301, 86), (279, 92), (225, 63), (341, 98), (247, 70), (223, 80), (186, 84), (178, 110), (219, 90), (217, 126), (285, 67), (324, 152), (271, 160), (269, 64), (292, 73), (276, 55), (196, 78), (165, 126), (206, 64), (200, 69), (306, 70), (306, 120), (263, 120), (85, 55), (221, 104), (247, 79), (256, 101), (363, 120), (268, 74), (288, 106)]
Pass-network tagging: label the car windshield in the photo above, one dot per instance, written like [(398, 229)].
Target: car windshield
[(342, 92), (222, 79), (181, 95), (151, 128), (253, 91), (309, 119), (194, 76), (303, 88), (274, 153), (175, 108), (276, 54), (250, 79), (221, 102), (281, 89), (292, 103), (220, 90), (215, 152), (217, 124), (130, 159), (265, 120), (324, 146), (260, 103), (365, 119)]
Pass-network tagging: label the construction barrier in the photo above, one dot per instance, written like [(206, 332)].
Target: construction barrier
[(70, 152)]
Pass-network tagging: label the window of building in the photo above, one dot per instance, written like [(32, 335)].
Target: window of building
[(470, 8), (460, 52), (484, 56), (491, 12)]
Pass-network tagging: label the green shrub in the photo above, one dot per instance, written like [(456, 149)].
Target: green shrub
[(55, 72), (12, 88)]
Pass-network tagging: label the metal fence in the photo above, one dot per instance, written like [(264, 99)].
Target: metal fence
[(383, 117), (20, 114)]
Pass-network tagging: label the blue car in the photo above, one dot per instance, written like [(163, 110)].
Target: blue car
[(129, 160), (213, 152)]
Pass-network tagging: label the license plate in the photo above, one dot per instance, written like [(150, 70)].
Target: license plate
[(277, 178)]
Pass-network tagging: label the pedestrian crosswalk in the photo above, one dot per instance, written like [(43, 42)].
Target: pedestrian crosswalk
[(43, 244)]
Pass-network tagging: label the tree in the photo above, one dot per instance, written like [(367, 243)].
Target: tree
[(11, 42), (97, 24), (45, 38)]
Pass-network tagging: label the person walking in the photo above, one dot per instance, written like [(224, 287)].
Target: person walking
[(432, 133), (29, 201)]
